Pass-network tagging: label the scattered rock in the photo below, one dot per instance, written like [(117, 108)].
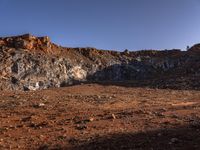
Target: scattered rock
[(91, 119), (113, 116), (39, 105), (173, 140), (81, 127)]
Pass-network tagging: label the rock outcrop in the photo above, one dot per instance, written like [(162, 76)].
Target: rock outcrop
[(30, 63)]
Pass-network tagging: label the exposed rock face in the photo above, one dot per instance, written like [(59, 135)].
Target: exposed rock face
[(31, 63), (28, 42)]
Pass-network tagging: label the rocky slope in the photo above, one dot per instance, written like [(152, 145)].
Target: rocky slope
[(30, 63)]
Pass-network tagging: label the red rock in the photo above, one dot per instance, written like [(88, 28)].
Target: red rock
[(29, 42)]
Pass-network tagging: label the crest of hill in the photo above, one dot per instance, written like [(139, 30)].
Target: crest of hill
[(195, 49), (30, 42), (44, 44)]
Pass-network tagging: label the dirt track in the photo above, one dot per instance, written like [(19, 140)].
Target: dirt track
[(94, 116)]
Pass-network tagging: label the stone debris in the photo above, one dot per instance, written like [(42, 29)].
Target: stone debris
[(91, 119), (113, 116), (173, 141), (39, 105), (69, 118)]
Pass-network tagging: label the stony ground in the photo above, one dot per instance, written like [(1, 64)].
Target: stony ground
[(102, 117)]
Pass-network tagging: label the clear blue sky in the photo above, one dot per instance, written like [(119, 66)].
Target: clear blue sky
[(105, 24)]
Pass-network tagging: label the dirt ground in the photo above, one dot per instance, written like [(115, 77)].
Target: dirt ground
[(100, 117)]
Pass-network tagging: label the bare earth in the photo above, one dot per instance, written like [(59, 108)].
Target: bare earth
[(93, 116)]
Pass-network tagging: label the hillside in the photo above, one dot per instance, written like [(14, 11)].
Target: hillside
[(30, 63)]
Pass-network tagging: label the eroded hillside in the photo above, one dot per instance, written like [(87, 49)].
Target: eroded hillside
[(29, 63)]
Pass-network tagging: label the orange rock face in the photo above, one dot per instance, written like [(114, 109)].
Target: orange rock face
[(28, 41)]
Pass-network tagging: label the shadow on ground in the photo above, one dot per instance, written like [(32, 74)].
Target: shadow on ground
[(180, 138)]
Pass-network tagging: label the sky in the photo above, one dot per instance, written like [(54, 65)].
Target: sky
[(105, 24)]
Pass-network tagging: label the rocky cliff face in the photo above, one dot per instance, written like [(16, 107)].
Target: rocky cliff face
[(30, 63)]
